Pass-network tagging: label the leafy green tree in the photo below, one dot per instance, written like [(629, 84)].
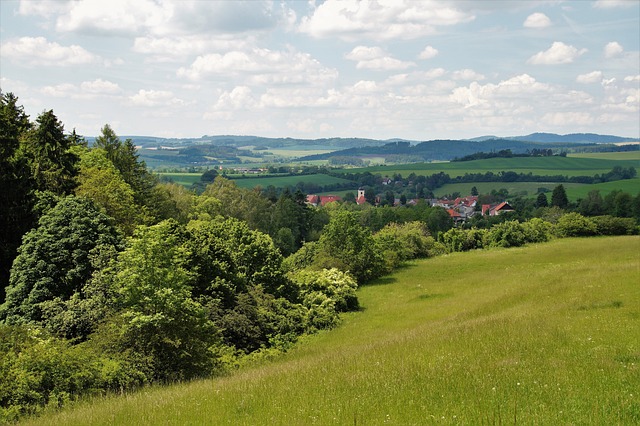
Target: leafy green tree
[(345, 244), (54, 260), (559, 197), (243, 204), (401, 242), (124, 157), (438, 221), (161, 320), (101, 182), (592, 205), (474, 191)]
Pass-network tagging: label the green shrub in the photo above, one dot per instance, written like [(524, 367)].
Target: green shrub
[(537, 230), (457, 239), (610, 225), (506, 234), (575, 225)]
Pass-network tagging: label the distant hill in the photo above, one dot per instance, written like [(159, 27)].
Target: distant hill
[(438, 150), (572, 138)]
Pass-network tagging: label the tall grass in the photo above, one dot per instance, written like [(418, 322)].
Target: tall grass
[(544, 334)]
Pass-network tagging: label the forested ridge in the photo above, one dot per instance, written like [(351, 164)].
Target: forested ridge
[(113, 280)]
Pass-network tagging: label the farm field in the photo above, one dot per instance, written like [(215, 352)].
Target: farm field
[(544, 166), (185, 179), (629, 155), (574, 190), (280, 181), (544, 334)]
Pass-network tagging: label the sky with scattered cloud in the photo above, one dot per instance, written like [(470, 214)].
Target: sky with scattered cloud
[(413, 69)]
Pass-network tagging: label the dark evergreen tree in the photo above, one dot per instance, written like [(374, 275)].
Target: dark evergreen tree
[(541, 200), (559, 197)]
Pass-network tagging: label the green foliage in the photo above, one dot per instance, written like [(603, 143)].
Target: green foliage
[(610, 225), (339, 287), (458, 239), (537, 230), (401, 242), (54, 260), (101, 182), (575, 225), (559, 197), (350, 247), (506, 234), (161, 320)]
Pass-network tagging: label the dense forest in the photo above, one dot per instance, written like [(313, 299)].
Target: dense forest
[(112, 279)]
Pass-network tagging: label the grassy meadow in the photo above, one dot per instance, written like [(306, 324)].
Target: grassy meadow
[(281, 181), (544, 334), (575, 191), (543, 166)]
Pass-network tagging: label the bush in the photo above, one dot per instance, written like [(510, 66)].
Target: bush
[(610, 225), (537, 230), (506, 234), (339, 287), (575, 225), (457, 239), (401, 242)]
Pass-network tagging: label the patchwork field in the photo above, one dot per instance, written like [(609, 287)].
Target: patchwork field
[(574, 190), (545, 334), (543, 166), (281, 181)]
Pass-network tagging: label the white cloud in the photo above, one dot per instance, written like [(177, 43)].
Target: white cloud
[(489, 94), (100, 86), (240, 97), (592, 77), (165, 49), (159, 17), (558, 53), (537, 20), (152, 98), (428, 53), (610, 4), (260, 66), (38, 51), (381, 20), (568, 119), (376, 59), (613, 49), (467, 74), (631, 78)]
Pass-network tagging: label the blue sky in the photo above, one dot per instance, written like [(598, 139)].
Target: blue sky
[(381, 69)]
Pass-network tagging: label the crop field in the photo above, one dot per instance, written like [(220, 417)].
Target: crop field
[(544, 334), (543, 166), (574, 190), (185, 179), (281, 181), (629, 155)]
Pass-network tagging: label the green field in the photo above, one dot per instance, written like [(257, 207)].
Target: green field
[(574, 190), (543, 166), (545, 334), (281, 181), (628, 155), (186, 179)]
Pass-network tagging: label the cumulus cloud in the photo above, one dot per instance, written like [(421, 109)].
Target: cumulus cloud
[(376, 59), (38, 51), (631, 78), (537, 20), (166, 49), (100, 86), (613, 49), (428, 53), (85, 90), (260, 66), (592, 77), (477, 94), (159, 18), (152, 98), (382, 20), (467, 74), (558, 53), (610, 4)]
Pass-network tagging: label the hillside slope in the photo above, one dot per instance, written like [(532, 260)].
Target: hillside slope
[(545, 334)]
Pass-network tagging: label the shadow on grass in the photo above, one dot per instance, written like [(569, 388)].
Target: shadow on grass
[(380, 281)]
